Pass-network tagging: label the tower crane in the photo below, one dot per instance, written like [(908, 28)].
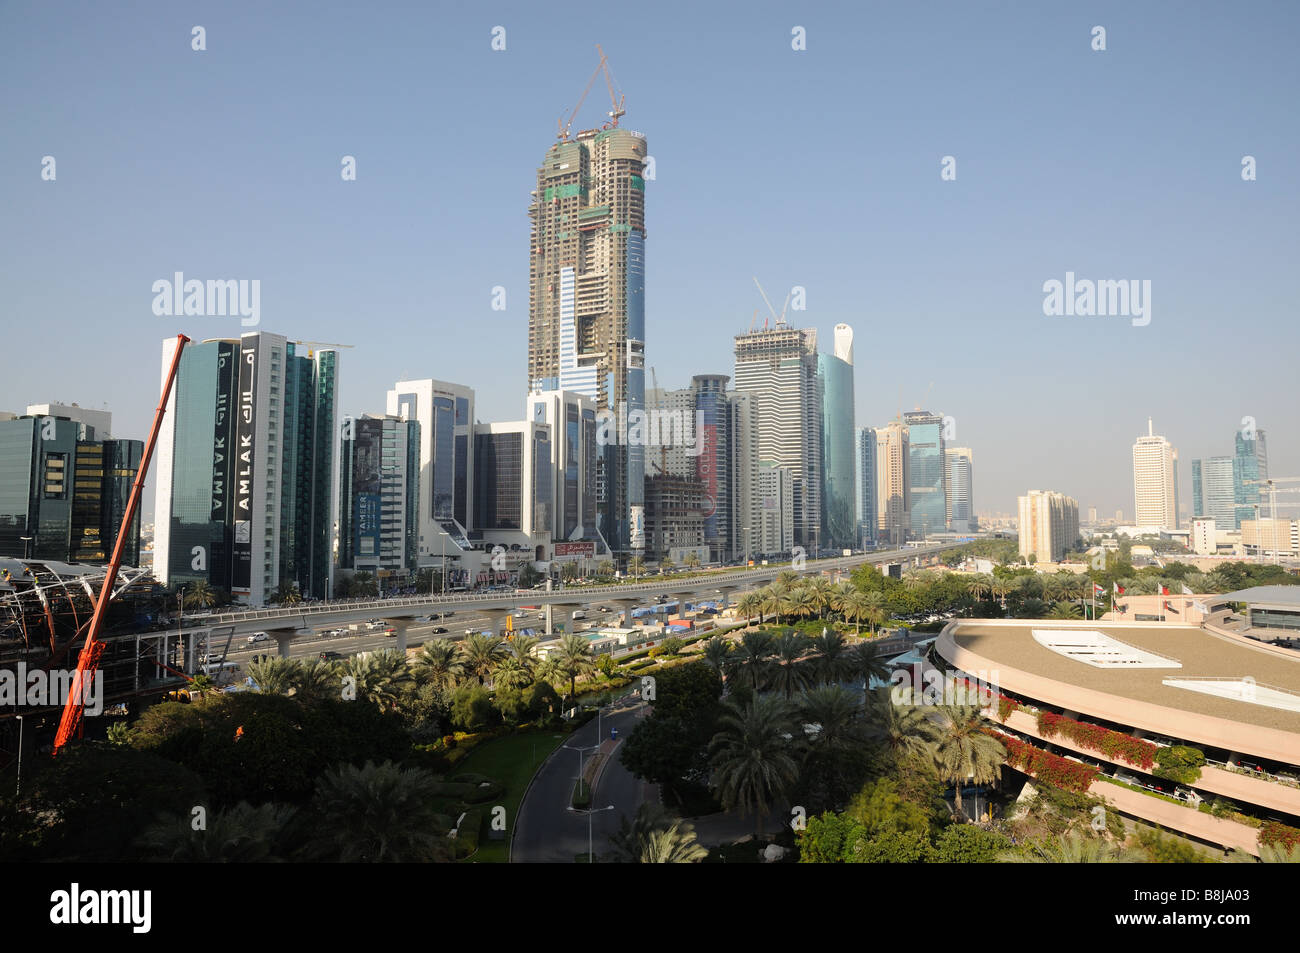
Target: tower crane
[(564, 125), (312, 345)]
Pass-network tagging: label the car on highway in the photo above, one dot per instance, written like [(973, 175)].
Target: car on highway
[(330, 656), (437, 630), (258, 637)]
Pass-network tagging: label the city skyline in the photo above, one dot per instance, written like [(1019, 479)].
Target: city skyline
[(329, 265)]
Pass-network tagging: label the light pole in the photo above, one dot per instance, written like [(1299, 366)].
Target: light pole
[(19, 786), (589, 812), (26, 540)]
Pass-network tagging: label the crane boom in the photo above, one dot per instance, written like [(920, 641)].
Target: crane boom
[(88, 662)]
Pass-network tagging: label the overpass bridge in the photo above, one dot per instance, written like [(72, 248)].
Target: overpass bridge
[(284, 624)]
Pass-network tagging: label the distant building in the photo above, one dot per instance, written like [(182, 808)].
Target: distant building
[(66, 489), (959, 462), (574, 450), (893, 484), (248, 462), (1213, 490), (514, 474), (1049, 525), (1203, 540), (1249, 463), (379, 525), (868, 518), (927, 508), (1155, 481), (675, 514), (1271, 537), (776, 509), (839, 508), (101, 421), (778, 366)]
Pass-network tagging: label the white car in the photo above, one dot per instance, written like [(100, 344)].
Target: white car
[(258, 637)]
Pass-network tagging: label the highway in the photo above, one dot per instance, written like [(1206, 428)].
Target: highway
[(479, 608)]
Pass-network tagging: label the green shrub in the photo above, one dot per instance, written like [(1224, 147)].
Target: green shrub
[(471, 707), (1179, 763)]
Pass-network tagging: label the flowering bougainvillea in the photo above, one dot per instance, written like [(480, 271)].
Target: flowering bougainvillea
[(1047, 767), (1113, 744)]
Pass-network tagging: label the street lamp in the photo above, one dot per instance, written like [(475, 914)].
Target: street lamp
[(19, 786), (589, 812), (26, 540)]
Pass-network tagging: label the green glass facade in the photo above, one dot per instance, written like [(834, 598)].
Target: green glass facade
[(929, 505)]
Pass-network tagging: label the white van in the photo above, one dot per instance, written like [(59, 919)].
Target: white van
[(579, 614)]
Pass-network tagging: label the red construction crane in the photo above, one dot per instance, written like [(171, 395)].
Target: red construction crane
[(91, 652)]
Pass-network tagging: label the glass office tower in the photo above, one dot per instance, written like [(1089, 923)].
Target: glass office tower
[(839, 511), (926, 472)]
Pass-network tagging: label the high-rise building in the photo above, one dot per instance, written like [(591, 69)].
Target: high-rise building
[(1092, 514), (445, 413), (1049, 525), (65, 490), (1203, 537), (379, 525), (893, 484), (248, 463), (746, 504), (101, 421), (839, 509), (868, 511), (958, 462), (1213, 490), (1249, 463), (776, 510), (1155, 481), (586, 326), (778, 367), (572, 420), (676, 509), (928, 507), (514, 491)]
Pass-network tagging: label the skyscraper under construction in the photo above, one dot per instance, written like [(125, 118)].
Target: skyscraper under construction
[(586, 318)]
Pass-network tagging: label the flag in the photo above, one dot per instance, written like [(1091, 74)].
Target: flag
[(239, 732), (1164, 590), (1098, 590), (1170, 608), (1187, 591), (1119, 590)]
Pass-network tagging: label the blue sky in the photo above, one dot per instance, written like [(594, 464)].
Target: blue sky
[(818, 168)]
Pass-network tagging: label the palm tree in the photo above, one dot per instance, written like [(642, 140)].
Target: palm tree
[(573, 657), (855, 608), (752, 756), (822, 592), (830, 657), (787, 578), (963, 750), (666, 563), (1072, 848), (864, 662), (656, 837), (1000, 590), (1065, 610), (274, 676), (569, 571), (750, 662), (202, 684), (800, 602), (377, 676), (524, 648), (876, 608), (979, 586), (200, 595), (790, 674), (749, 605), (242, 834), (549, 671), (511, 673), (692, 560), (480, 653), (834, 709), (377, 814), (841, 593), (439, 663), (771, 599), (287, 594), (904, 730), (636, 565), (716, 650), (316, 678)]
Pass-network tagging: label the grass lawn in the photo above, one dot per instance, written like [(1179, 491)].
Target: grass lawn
[(512, 760)]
